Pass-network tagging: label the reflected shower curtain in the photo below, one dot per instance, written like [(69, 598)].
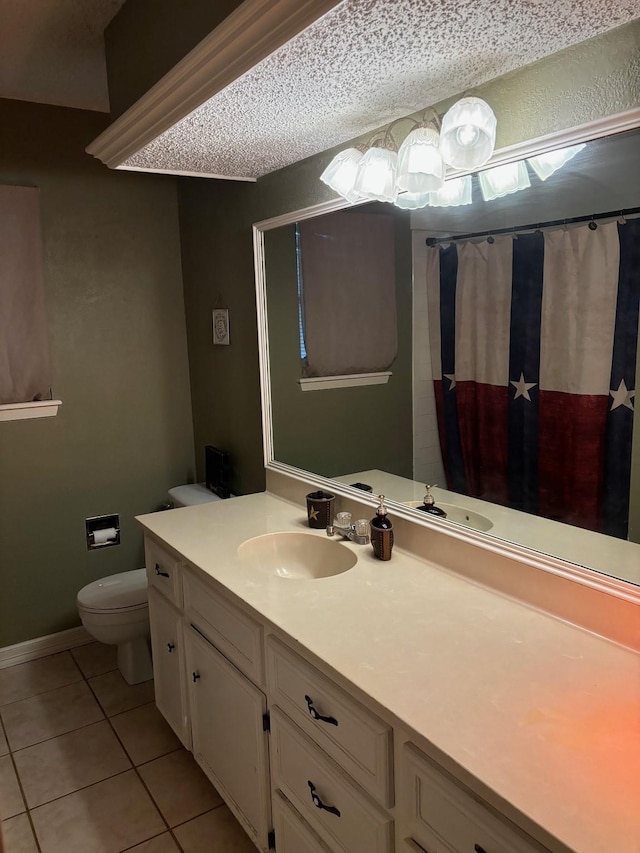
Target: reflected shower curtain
[(533, 347)]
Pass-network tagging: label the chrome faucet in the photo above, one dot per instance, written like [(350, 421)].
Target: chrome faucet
[(357, 532)]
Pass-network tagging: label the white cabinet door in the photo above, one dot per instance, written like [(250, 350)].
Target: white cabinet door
[(168, 665), (229, 741)]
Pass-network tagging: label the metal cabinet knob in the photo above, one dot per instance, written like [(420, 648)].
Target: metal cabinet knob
[(195, 676), (170, 647), (161, 573)]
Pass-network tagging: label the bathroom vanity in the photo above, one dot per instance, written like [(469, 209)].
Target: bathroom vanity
[(400, 706)]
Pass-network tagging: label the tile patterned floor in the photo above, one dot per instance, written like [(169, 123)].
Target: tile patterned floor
[(88, 765)]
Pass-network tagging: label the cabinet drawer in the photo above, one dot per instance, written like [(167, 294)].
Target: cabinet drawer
[(163, 570), (446, 818), (234, 633), (353, 736), (293, 833), (355, 824)]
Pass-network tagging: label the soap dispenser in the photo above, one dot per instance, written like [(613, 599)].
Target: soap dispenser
[(429, 504), (382, 532)]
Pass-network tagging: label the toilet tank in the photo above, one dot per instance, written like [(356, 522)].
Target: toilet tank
[(191, 495)]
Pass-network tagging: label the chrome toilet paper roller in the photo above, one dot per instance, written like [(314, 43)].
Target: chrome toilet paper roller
[(105, 536)]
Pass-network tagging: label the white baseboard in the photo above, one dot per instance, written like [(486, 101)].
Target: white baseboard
[(42, 646)]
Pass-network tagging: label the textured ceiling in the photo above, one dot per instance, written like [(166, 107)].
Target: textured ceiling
[(52, 51), (363, 64)]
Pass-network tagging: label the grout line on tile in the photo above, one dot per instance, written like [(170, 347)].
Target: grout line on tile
[(156, 757), (42, 693), (83, 788), (61, 734), (15, 770)]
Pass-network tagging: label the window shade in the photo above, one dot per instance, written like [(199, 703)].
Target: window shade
[(25, 371), (349, 293)]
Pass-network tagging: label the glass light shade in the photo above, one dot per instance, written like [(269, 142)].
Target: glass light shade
[(455, 192), (468, 134), (341, 172), (376, 176), (544, 165), (412, 201), (420, 164), (504, 180)]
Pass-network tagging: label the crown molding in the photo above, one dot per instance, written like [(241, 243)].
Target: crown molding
[(251, 33)]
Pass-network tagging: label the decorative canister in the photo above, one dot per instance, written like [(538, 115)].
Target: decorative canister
[(320, 508)]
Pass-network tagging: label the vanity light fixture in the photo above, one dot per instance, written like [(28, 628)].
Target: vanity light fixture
[(412, 176), (376, 175), (468, 134), (341, 173), (504, 180), (420, 164), (455, 192), (413, 201), (544, 165)]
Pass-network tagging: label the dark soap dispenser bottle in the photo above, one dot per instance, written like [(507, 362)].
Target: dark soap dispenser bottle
[(382, 532)]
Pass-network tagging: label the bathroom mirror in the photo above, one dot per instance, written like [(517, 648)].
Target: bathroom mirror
[(389, 435)]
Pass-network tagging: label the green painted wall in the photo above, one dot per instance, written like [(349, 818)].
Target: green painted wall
[(148, 37), (336, 431), (115, 304), (217, 268)]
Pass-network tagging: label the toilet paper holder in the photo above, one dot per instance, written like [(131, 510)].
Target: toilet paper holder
[(102, 531)]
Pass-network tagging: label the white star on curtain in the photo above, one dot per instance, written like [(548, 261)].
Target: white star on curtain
[(522, 388), (622, 396), (452, 379)]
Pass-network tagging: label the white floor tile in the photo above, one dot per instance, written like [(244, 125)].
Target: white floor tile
[(37, 676), (49, 714), (71, 761), (105, 818)]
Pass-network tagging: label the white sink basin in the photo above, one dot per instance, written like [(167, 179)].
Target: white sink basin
[(460, 515), (300, 556)]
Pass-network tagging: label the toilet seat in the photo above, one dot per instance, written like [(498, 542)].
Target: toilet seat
[(121, 592)]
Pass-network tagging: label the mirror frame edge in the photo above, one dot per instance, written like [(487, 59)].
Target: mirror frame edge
[(597, 129)]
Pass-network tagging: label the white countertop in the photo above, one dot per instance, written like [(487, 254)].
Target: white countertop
[(543, 713)]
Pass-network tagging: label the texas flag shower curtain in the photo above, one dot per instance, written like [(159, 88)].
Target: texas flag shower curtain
[(533, 347)]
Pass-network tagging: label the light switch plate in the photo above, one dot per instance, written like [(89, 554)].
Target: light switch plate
[(221, 326)]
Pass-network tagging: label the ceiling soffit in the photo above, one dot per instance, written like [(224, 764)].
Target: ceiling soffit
[(358, 66)]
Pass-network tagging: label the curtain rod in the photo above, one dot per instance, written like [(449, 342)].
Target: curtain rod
[(536, 226)]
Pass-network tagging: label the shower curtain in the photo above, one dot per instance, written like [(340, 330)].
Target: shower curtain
[(533, 346)]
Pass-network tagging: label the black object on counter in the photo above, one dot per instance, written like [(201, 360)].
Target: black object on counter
[(362, 486), (320, 509), (382, 532)]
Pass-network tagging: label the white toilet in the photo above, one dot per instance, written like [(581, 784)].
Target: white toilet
[(115, 609)]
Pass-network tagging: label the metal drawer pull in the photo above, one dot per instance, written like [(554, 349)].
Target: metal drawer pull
[(317, 802), (162, 574), (171, 647), (478, 849), (195, 676), (316, 715)]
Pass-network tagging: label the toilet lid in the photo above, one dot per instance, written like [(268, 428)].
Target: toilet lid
[(126, 589)]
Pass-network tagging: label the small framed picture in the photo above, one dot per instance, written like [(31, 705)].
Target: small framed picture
[(221, 326)]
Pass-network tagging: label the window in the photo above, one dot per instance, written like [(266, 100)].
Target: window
[(25, 370), (346, 298)]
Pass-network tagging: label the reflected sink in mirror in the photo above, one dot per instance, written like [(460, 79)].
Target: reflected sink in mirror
[(459, 514), (299, 556)]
